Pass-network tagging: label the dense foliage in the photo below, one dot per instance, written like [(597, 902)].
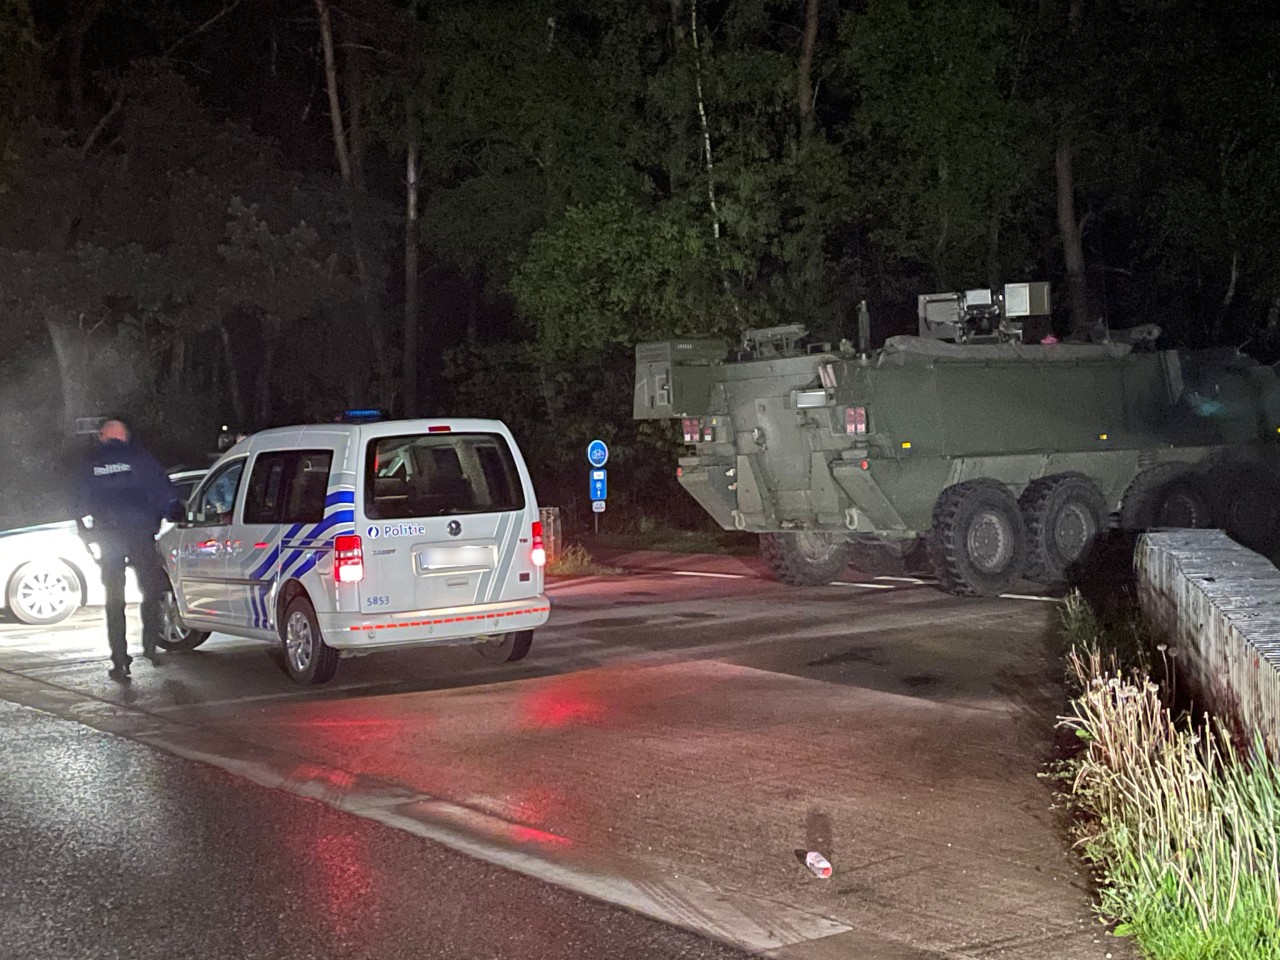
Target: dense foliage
[(189, 237)]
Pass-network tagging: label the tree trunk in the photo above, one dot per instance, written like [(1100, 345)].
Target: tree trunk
[(356, 115), (993, 250), (233, 375), (177, 360), (804, 72), (69, 353), (354, 198), (262, 403), (1068, 222), (1072, 239), (411, 283), (331, 85), (702, 119), (677, 21), (81, 16)]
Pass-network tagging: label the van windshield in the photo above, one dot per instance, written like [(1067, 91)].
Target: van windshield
[(432, 475)]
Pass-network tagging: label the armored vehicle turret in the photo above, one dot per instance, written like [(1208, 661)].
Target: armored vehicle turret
[(1003, 458)]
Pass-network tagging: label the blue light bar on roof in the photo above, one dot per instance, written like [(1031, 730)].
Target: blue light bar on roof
[(362, 416)]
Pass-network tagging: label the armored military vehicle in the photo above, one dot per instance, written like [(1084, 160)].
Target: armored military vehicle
[(983, 439)]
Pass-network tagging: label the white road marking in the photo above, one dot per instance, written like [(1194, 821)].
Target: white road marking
[(865, 586), (906, 579), (1027, 596), (698, 573)]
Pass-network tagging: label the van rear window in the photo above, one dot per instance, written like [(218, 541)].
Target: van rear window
[(440, 474)]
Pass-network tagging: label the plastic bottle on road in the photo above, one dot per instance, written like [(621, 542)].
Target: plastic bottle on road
[(818, 864)]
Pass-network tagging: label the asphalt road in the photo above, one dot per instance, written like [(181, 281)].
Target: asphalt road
[(675, 743), (115, 850)]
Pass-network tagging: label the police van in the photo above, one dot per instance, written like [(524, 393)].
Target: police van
[(346, 538)]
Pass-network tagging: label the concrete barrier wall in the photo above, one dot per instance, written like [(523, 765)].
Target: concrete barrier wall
[(1220, 605)]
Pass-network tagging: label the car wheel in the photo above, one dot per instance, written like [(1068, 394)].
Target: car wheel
[(174, 634), (507, 648), (307, 658), (43, 592)]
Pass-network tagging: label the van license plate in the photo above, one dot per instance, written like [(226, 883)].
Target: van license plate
[(440, 559)]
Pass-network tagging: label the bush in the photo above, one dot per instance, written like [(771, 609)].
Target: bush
[(1181, 826), (575, 561)]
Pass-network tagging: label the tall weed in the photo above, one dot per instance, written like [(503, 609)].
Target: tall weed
[(1181, 827)]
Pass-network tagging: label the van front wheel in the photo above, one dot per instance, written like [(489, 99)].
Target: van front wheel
[(307, 658), (507, 648)]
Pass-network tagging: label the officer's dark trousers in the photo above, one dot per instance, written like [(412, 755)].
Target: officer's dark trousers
[(137, 548)]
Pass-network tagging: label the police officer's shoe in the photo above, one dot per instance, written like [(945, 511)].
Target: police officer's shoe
[(119, 673)]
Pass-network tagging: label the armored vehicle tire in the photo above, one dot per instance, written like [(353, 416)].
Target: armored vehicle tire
[(978, 541), (1063, 514), (805, 559), (1168, 495), (878, 558), (1246, 504)]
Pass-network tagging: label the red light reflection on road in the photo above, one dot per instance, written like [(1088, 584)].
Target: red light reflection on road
[(568, 701), (334, 881), (338, 779), (540, 837), (355, 731)]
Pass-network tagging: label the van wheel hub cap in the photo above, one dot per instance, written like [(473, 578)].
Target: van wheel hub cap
[(299, 642)]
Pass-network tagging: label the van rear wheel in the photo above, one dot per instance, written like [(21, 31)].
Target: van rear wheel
[(507, 648), (307, 658)]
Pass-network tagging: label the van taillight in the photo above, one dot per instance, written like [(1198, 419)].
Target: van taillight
[(539, 552), (855, 420), (348, 559)]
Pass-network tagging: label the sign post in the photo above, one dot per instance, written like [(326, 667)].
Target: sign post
[(598, 477)]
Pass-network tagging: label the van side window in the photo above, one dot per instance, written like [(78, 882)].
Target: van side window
[(217, 498), (308, 487), (266, 488), (288, 486), (439, 475)]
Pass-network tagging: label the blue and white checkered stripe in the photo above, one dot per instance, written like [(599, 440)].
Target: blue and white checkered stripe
[(298, 549)]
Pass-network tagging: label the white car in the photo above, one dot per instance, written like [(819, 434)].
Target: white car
[(47, 571)]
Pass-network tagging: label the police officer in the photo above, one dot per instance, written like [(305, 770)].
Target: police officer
[(126, 495)]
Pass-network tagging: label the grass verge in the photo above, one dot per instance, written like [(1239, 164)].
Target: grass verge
[(1181, 825), (575, 561)]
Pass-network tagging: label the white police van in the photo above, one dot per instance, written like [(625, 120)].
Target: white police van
[(346, 538)]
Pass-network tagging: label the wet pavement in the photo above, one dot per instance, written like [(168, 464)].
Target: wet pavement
[(676, 741), (114, 850)]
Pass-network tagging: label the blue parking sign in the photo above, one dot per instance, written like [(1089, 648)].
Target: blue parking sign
[(599, 484)]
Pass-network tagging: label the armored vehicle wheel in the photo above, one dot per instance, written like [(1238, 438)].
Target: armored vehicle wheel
[(806, 559), (978, 541), (1168, 495), (1246, 504), (1063, 513), (878, 558)]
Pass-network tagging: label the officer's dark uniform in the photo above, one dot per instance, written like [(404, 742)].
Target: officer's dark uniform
[(127, 493)]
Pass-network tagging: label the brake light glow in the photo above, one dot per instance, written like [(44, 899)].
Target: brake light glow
[(439, 429), (348, 558), (855, 420), (539, 553)]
